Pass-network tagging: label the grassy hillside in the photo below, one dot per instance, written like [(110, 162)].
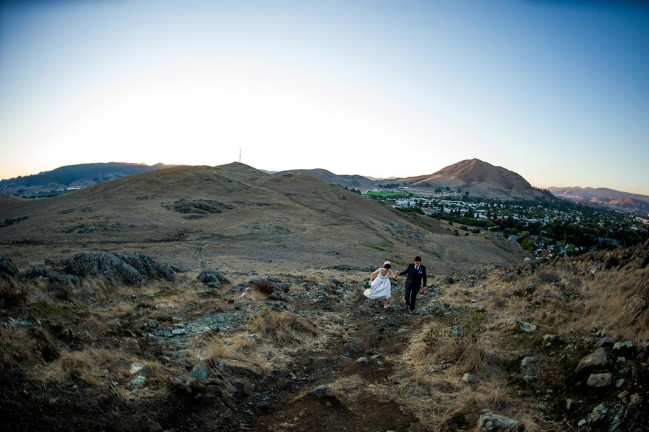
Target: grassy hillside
[(224, 299)]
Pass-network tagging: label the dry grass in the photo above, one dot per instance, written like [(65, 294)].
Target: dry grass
[(16, 345), (107, 370), (567, 297), (234, 347), (90, 366), (283, 327), (11, 293)]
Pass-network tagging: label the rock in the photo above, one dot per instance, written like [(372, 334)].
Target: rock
[(598, 413), (635, 399), (549, 338), (148, 267), (140, 369), (137, 382), (490, 422), (527, 327), (528, 364), (8, 269), (322, 391), (133, 269), (238, 368), (592, 361), (634, 307), (469, 378), (600, 380), (200, 372), (212, 278), (621, 346), (151, 323)]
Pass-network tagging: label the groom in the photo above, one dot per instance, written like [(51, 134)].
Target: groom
[(416, 276)]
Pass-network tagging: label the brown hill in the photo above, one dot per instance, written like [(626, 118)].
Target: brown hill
[(480, 179), (345, 180), (234, 215), (474, 176)]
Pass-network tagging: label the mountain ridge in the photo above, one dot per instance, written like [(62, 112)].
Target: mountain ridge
[(604, 197), (472, 177), (73, 176)]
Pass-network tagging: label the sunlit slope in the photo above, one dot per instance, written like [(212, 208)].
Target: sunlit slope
[(197, 215)]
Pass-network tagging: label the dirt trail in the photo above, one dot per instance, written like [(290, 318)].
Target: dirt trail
[(361, 358)]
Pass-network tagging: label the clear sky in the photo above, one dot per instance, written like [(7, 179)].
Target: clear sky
[(557, 91)]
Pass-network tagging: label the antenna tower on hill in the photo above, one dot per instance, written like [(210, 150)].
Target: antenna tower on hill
[(239, 155)]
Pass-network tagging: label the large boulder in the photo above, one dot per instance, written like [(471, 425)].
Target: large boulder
[(134, 269), (8, 269)]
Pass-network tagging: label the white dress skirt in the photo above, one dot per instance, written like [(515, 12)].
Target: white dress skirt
[(380, 288)]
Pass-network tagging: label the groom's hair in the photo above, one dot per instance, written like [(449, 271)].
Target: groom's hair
[(418, 258)]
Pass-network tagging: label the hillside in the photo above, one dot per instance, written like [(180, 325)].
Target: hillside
[(227, 299), (481, 179), (231, 209), (605, 197), (349, 181), (71, 176), (472, 176)]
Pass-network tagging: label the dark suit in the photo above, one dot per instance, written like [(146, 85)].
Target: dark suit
[(414, 281)]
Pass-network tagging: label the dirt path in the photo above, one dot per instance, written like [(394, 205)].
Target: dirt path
[(359, 359)]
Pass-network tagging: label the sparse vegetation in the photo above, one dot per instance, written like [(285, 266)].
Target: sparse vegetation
[(280, 337)]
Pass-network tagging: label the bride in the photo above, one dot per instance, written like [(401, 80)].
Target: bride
[(380, 286)]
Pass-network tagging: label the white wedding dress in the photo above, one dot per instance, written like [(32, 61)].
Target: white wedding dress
[(380, 288)]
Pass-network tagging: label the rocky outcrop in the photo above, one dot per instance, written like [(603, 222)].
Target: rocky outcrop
[(212, 278), (132, 269), (8, 269)]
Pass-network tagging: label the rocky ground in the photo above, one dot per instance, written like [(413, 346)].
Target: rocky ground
[(124, 343)]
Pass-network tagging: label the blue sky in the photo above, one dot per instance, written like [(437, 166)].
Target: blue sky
[(557, 91)]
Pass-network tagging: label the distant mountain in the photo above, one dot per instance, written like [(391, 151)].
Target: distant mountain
[(482, 179), (345, 180), (72, 177), (475, 177), (605, 197)]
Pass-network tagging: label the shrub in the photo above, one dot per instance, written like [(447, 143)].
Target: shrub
[(547, 277), (10, 293), (263, 286)]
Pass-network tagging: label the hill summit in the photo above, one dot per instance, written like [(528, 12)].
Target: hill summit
[(480, 178)]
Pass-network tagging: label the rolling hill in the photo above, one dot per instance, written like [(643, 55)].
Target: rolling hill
[(72, 176), (233, 214), (605, 197), (475, 177)]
